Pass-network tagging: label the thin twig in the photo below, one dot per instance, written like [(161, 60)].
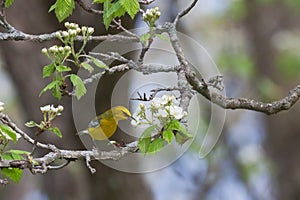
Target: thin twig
[(184, 12), (88, 8)]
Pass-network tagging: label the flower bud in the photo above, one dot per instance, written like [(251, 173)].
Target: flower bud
[(72, 32), (67, 25), (67, 48), (65, 34), (44, 51), (60, 108), (58, 35), (53, 49), (61, 49), (90, 30), (84, 29)]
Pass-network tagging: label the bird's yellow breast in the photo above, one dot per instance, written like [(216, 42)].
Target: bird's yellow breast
[(106, 129)]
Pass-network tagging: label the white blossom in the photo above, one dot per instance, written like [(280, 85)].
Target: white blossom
[(162, 113), (53, 109), (176, 112), (60, 108), (155, 105), (46, 108), (135, 122), (90, 30), (136, 119)]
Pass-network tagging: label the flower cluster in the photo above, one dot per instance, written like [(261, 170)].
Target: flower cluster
[(50, 111), (1, 106), (161, 110), (151, 16), (57, 53), (74, 30)]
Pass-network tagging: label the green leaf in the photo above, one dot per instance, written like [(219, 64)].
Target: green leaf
[(8, 131), (14, 174), (99, 63), (114, 8), (63, 68), (16, 156), (87, 66), (6, 156), (156, 145), (182, 138), (48, 70), (120, 12), (162, 37), (79, 86), (56, 92), (56, 131), (8, 3), (106, 18), (19, 152), (52, 7), (63, 9), (31, 124), (132, 7), (145, 139), (182, 134), (49, 86), (168, 135), (145, 37)]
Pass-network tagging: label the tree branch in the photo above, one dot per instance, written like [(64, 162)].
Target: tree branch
[(184, 12), (43, 164), (243, 103)]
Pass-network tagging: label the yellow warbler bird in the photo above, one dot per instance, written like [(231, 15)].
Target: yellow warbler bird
[(105, 125)]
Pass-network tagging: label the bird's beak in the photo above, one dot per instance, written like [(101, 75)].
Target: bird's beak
[(131, 118)]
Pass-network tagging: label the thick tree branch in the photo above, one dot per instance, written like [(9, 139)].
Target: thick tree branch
[(43, 164), (243, 103), (20, 36)]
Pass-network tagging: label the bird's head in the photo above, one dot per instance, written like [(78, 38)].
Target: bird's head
[(121, 113)]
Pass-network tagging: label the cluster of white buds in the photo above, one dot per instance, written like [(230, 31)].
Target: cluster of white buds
[(87, 30), (50, 112), (151, 15), (1, 106), (56, 49), (161, 109), (51, 108), (73, 30)]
